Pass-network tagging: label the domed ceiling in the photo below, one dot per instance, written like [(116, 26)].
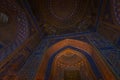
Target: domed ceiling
[(63, 16)]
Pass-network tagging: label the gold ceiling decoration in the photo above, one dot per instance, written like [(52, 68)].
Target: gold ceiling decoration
[(59, 65), (69, 61)]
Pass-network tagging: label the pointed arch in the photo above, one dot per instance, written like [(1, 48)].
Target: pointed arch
[(72, 60), (77, 45)]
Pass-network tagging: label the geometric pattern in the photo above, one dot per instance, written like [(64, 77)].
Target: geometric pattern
[(18, 16), (90, 60), (116, 9), (30, 68), (108, 50)]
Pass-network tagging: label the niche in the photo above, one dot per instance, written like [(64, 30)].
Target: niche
[(3, 18)]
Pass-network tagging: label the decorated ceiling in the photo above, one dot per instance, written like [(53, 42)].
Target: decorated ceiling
[(65, 16), (116, 11), (86, 56), (13, 27)]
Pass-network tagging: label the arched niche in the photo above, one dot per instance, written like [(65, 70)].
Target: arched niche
[(3, 18), (90, 52), (71, 65)]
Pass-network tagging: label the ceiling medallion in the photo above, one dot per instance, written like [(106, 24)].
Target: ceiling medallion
[(63, 9)]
